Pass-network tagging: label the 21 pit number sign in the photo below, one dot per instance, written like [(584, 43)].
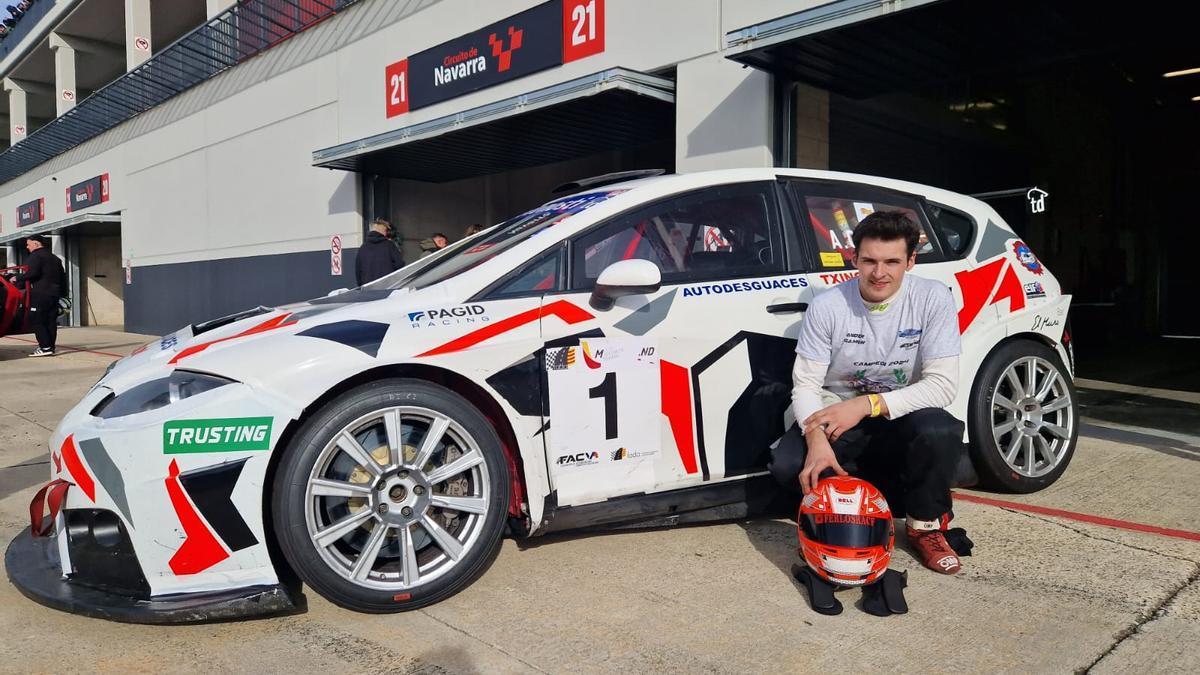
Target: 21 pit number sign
[(605, 404)]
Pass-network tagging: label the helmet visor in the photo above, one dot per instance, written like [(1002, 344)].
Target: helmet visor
[(846, 531)]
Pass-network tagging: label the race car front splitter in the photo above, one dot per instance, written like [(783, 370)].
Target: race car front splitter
[(34, 567)]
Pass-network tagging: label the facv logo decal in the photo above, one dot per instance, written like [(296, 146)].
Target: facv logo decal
[(579, 459)]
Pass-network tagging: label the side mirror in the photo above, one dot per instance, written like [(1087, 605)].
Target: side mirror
[(627, 277)]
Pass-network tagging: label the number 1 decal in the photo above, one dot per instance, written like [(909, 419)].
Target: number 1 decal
[(605, 415), (608, 391)]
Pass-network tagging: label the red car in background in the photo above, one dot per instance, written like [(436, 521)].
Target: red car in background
[(14, 303)]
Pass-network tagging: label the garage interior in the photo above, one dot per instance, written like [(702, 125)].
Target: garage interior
[(999, 97), (488, 164)]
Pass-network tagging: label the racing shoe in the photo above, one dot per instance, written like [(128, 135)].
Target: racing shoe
[(42, 352), (935, 553)]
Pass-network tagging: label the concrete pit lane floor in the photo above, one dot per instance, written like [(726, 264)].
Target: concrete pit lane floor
[(1045, 592)]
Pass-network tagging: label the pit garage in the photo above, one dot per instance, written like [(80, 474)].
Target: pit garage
[(483, 165), (90, 247), (1077, 123)]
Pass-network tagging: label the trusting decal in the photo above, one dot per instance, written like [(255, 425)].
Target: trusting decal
[(677, 407), (564, 310), (75, 467), (200, 550), (270, 324), (236, 434)]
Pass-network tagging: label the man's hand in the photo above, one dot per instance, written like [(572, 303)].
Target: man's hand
[(839, 418), (820, 457)]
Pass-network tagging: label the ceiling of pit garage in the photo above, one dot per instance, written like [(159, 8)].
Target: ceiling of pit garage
[(941, 44), (611, 110)]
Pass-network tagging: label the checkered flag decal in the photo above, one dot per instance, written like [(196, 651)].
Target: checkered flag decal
[(556, 359)]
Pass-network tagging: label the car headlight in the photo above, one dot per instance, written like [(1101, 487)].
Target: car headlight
[(158, 393)]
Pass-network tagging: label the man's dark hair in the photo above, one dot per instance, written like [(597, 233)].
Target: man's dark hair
[(40, 239), (888, 226), (437, 234)]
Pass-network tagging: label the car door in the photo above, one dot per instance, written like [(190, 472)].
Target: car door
[(688, 384)]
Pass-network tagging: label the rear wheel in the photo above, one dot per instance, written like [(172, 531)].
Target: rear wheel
[(1024, 420), (392, 497)]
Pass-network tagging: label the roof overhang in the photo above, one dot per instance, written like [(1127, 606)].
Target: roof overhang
[(864, 48), (616, 108), (59, 225)]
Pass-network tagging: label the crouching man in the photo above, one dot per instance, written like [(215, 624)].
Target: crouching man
[(876, 364)]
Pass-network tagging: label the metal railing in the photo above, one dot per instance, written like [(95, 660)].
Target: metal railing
[(244, 30)]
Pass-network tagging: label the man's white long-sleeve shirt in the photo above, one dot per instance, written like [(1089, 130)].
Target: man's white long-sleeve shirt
[(905, 349)]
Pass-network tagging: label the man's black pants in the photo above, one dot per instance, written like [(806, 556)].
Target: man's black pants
[(911, 459), (43, 318)]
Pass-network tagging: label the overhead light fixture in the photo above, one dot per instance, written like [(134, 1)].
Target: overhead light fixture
[(1177, 73), (1196, 98)]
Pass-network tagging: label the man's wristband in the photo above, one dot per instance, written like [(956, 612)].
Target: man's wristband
[(876, 406)]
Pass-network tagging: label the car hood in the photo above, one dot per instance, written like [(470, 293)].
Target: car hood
[(171, 350)]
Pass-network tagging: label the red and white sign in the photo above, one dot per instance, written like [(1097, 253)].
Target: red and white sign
[(583, 28), (713, 241), (128, 272), (68, 94), (335, 255), (141, 44), (397, 88), (19, 130)]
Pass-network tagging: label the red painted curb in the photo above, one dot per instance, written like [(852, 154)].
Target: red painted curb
[(74, 349), (1081, 517)]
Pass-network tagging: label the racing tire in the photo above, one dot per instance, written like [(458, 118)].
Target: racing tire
[(1023, 418), (391, 497)]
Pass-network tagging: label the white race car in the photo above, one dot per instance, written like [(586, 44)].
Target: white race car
[(620, 354)]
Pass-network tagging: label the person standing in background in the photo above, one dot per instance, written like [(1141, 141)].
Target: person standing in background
[(45, 279), (378, 256)]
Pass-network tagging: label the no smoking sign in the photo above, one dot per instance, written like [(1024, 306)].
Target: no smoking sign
[(335, 255)]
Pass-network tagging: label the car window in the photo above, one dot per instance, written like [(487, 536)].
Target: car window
[(500, 238), (833, 211), (540, 276), (715, 233), (956, 229)]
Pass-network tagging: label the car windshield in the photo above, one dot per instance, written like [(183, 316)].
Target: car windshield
[(492, 242)]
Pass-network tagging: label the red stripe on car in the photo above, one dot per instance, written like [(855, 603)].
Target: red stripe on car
[(569, 313), (76, 469), (200, 549), (270, 324), (677, 406)]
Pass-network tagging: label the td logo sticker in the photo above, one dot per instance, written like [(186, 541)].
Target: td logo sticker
[(219, 435)]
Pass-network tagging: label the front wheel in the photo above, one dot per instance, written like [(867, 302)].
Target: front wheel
[(1023, 419), (391, 497)]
